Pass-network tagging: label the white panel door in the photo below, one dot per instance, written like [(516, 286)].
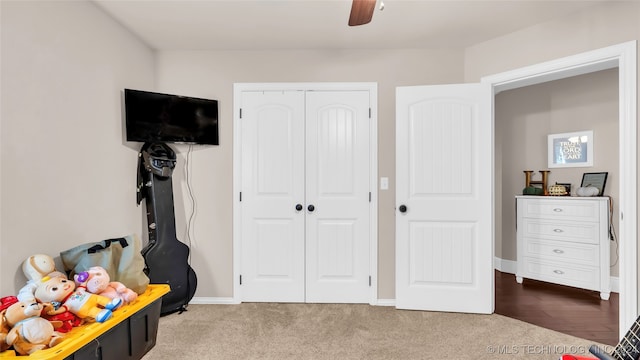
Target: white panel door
[(273, 184), (337, 189), (305, 208), (444, 169)]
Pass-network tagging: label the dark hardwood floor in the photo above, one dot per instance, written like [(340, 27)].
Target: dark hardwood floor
[(565, 309)]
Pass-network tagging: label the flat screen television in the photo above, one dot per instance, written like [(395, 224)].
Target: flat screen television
[(157, 117)]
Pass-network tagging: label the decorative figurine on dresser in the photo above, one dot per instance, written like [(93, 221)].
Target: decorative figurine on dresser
[(564, 240)]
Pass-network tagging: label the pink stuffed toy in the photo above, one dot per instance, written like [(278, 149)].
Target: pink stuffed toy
[(99, 283)]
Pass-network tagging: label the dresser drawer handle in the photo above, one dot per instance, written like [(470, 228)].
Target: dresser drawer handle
[(559, 272), (558, 251), (558, 230), (557, 210)]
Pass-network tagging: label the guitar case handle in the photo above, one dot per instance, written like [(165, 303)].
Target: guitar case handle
[(97, 247)]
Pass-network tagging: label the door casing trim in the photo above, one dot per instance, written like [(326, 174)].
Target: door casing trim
[(624, 57)]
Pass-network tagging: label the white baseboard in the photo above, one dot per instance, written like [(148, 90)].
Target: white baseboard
[(615, 284), (506, 266), (511, 267), (386, 302), (213, 301)]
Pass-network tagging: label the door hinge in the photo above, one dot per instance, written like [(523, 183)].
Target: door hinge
[(240, 113), (240, 279), (369, 196), (240, 196), (369, 280), (369, 113)]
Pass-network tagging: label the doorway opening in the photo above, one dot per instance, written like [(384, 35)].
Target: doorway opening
[(524, 117), (622, 57)]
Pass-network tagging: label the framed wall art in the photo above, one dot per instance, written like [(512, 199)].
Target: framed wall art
[(573, 149)]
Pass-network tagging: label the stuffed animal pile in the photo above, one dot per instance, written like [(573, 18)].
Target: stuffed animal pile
[(50, 305)]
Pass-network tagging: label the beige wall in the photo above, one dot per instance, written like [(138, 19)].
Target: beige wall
[(587, 30), (67, 176), (590, 29), (523, 119), (212, 74)]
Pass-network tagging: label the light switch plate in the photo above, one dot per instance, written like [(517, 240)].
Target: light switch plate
[(384, 183)]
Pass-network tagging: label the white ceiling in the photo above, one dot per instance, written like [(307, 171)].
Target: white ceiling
[(322, 24)]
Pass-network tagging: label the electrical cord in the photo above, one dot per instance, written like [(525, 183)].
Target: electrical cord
[(187, 176), (612, 232)]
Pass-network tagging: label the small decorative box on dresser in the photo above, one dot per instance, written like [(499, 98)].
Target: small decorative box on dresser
[(564, 240)]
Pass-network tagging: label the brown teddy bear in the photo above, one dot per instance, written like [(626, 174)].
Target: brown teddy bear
[(5, 302), (29, 332)]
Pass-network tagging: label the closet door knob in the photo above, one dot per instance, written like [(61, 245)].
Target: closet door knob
[(403, 208), (311, 208), (299, 207)]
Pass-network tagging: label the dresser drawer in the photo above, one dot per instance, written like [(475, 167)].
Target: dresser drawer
[(587, 277), (564, 252), (588, 233), (583, 210)]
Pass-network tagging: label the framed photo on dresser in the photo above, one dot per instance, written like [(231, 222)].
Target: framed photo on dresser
[(595, 179)]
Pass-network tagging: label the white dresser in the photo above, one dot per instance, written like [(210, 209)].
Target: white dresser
[(564, 240)]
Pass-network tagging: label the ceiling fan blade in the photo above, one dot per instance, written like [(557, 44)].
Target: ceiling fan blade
[(361, 12)]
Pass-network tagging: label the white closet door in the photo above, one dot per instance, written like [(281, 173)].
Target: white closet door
[(444, 237), (309, 149), (337, 189), (273, 184)]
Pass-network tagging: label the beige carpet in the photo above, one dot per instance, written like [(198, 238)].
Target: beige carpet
[(330, 331)]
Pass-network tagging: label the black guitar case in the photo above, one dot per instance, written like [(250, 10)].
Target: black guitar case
[(166, 257)]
